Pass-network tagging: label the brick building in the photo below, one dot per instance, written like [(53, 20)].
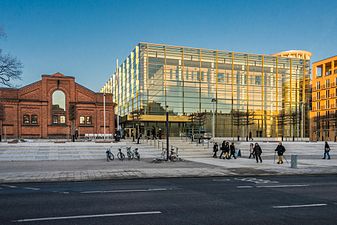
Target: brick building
[(54, 107)]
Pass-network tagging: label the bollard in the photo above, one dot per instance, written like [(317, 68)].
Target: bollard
[(293, 161)]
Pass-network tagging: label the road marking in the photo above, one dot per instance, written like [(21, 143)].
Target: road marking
[(125, 191), (221, 180), (244, 186), (297, 206), (256, 181), (87, 216), (32, 188), (283, 186), (10, 186)]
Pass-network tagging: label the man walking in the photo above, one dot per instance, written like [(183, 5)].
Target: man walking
[(280, 149), (232, 151), (223, 147), (215, 150), (257, 152), (326, 150)]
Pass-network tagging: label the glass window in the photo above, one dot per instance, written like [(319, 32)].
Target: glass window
[(258, 80), (82, 120), (34, 119), (89, 119), (59, 107), (55, 119), (59, 101), (26, 119), (62, 119)]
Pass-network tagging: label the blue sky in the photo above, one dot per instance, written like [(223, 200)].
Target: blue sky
[(83, 38)]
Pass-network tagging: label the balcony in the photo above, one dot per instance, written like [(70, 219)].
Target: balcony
[(323, 97)]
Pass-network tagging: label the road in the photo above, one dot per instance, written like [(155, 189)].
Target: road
[(222, 200)]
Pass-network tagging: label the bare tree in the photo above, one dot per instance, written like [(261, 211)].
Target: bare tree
[(10, 67)]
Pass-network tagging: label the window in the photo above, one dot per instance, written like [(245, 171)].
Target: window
[(88, 120), (34, 119), (258, 80), (318, 85), (82, 120), (26, 119), (85, 120), (318, 95), (58, 107), (327, 82)]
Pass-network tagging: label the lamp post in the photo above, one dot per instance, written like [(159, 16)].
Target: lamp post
[(104, 114), (167, 133), (213, 119)]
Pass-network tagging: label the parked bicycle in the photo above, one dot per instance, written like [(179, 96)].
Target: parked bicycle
[(129, 153), (136, 154), (120, 154), (174, 155), (109, 155)]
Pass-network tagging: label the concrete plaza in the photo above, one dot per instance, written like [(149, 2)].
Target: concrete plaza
[(43, 160)]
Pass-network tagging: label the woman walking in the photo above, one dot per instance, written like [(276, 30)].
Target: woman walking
[(257, 152)]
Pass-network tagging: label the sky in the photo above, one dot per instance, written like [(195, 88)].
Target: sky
[(83, 38)]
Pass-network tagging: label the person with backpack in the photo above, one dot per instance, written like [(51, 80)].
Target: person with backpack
[(257, 152), (280, 149), (215, 150), (326, 150)]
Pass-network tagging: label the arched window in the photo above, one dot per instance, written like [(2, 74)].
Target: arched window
[(58, 107), (26, 119), (34, 119)]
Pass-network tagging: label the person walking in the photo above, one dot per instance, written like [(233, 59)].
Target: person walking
[(280, 149), (326, 150), (223, 146), (257, 152), (215, 150), (232, 151), (251, 150), (227, 149)]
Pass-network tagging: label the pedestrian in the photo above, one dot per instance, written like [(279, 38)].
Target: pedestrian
[(223, 146), (153, 132), (257, 152), (250, 136), (215, 150), (251, 150), (227, 149), (76, 133), (326, 150), (280, 149), (232, 151), (159, 133)]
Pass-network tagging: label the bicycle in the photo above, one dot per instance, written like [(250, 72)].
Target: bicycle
[(109, 155), (129, 153), (136, 154), (120, 154), (174, 157)]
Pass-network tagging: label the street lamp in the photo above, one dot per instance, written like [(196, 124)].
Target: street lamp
[(104, 113), (167, 133), (213, 119)]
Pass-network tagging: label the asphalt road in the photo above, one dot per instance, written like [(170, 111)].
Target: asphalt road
[(224, 200)]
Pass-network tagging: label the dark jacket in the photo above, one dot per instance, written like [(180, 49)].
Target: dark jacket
[(326, 147), (215, 147), (257, 150), (232, 148), (280, 149)]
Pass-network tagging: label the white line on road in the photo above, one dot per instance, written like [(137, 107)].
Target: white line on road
[(10, 186), (125, 191), (88, 216), (32, 188), (244, 186), (297, 206), (283, 186)]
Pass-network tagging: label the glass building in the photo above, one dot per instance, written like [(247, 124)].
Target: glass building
[(249, 94)]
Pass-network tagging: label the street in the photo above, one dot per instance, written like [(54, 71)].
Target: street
[(216, 200)]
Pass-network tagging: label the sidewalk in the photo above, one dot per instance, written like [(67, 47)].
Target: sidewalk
[(77, 170), (43, 162)]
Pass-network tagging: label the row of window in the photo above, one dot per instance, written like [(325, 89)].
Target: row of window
[(30, 119), (57, 119)]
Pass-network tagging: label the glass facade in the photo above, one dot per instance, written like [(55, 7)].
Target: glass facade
[(257, 95)]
